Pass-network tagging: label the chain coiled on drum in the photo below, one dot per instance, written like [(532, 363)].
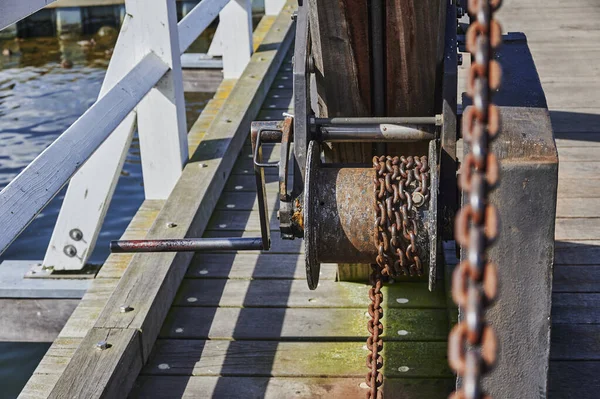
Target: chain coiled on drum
[(401, 184), (472, 344)]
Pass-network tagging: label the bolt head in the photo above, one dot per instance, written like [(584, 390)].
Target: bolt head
[(70, 251), (125, 308), (76, 234), (102, 345), (418, 198)]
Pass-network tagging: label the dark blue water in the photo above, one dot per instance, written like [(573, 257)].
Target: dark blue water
[(39, 100)]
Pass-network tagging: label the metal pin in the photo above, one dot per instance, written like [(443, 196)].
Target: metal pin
[(102, 345)]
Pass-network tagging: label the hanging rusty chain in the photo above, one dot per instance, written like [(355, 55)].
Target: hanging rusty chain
[(401, 185), (472, 344)]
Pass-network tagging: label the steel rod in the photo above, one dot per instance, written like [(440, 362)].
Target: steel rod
[(418, 120), (383, 132), (187, 245)]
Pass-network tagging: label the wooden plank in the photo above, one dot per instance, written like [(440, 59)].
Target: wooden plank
[(574, 380), (244, 265), (197, 20), (575, 342), (302, 324), (578, 188), (201, 80), (575, 120), (579, 170), (33, 320), (288, 359), (576, 308), (276, 388), (240, 220), (236, 38), (12, 11), (414, 53), (162, 127), (43, 178), (577, 229), (578, 154), (106, 366), (341, 52), (577, 139), (577, 278), (577, 207), (150, 294), (246, 201), (577, 252), (294, 293)]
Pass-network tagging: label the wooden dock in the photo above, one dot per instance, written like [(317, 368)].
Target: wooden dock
[(245, 324)]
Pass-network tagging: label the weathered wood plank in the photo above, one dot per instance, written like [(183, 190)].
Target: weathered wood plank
[(578, 188), (294, 293), (288, 359), (34, 320), (299, 324), (577, 252), (578, 207), (109, 367), (578, 154), (576, 308), (574, 380), (577, 278), (577, 139), (244, 265), (575, 120), (575, 342), (15, 10), (577, 229), (579, 170), (240, 220), (160, 387)]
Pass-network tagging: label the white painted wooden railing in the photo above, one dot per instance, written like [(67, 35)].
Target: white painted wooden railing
[(143, 87)]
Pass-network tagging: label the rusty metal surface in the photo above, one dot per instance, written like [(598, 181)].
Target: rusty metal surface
[(472, 343)]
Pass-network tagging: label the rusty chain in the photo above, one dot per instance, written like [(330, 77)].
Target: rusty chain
[(401, 184), (472, 343)]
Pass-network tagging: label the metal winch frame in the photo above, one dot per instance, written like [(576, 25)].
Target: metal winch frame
[(331, 205)]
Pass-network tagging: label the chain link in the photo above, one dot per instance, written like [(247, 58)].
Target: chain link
[(472, 344), (401, 185)]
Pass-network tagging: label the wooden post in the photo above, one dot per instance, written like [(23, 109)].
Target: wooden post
[(342, 48), (236, 37), (273, 7), (161, 114), (90, 190)]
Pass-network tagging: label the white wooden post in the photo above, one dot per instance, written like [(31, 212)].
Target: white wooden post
[(90, 190), (236, 37), (273, 7), (161, 114)]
